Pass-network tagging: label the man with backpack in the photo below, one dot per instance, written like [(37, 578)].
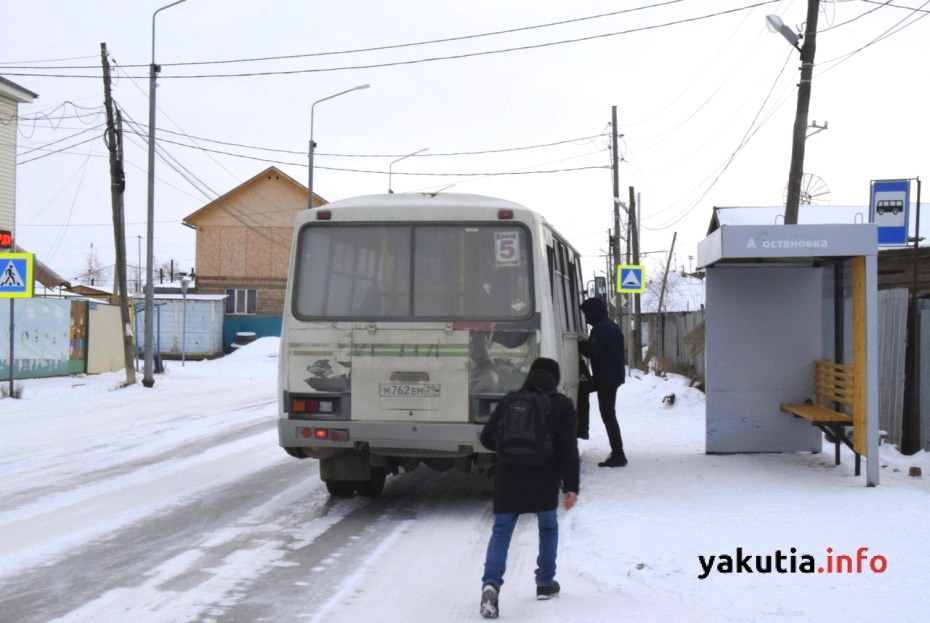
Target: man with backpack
[(533, 432)]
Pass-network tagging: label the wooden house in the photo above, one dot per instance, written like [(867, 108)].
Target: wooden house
[(243, 246)]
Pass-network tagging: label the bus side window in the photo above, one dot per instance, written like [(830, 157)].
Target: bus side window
[(574, 287)]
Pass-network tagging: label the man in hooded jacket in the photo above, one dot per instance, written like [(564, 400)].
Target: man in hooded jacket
[(522, 489), (604, 347)]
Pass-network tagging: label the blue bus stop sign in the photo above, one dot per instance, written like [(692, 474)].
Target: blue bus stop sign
[(889, 210)]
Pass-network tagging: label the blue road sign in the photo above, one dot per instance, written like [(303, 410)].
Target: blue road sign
[(631, 279), (16, 275), (889, 210)]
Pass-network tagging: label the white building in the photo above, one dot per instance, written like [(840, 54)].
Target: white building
[(11, 96)]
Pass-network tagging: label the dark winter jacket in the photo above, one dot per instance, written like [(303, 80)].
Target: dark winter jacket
[(604, 346), (531, 488)]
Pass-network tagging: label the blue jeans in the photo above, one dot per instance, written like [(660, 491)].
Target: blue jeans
[(496, 561)]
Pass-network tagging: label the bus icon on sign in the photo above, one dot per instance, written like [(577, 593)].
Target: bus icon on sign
[(889, 205)]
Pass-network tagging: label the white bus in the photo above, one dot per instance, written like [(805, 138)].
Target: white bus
[(407, 317)]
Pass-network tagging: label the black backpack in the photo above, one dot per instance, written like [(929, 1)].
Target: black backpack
[(523, 428)]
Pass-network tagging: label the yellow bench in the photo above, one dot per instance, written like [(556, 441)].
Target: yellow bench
[(836, 404)]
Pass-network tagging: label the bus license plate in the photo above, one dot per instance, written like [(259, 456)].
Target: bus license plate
[(409, 390)]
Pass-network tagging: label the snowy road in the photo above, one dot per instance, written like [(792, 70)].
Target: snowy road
[(228, 528), (176, 504), (238, 534)]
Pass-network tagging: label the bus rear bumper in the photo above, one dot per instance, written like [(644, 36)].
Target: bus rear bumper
[(323, 439)]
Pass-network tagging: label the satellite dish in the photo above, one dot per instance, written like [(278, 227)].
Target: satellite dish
[(814, 191)]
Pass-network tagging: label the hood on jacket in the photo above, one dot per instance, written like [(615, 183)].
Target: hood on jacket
[(540, 380), (544, 375), (594, 310)]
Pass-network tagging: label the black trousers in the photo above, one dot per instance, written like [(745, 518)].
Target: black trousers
[(607, 404), (584, 411)]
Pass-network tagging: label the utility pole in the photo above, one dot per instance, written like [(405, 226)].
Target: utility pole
[(636, 333), (117, 186), (139, 265), (668, 265), (654, 341), (615, 163), (799, 138)]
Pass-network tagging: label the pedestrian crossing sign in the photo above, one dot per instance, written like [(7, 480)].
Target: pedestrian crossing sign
[(631, 279), (16, 275)]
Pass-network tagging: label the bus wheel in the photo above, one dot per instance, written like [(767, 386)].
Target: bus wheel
[(340, 488), (372, 487)]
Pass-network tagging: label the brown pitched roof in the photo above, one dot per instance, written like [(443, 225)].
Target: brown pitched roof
[(45, 275), (187, 220)]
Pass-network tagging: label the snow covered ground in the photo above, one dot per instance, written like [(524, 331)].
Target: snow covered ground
[(175, 504)]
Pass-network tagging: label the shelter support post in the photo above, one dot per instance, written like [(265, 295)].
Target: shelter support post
[(865, 354)]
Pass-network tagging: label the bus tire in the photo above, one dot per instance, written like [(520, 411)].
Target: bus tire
[(340, 488), (374, 486)]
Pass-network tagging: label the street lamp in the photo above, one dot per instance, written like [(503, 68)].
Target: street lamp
[(419, 151), (148, 378), (799, 137), (774, 24), (313, 145)]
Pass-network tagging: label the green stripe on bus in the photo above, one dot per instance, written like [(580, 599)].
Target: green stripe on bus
[(410, 350)]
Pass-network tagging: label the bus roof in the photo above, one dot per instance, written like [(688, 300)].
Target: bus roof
[(424, 207), (433, 200)]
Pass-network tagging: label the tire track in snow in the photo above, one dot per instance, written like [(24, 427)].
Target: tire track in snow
[(48, 528)]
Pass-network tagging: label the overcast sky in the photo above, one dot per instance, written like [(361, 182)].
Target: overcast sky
[(706, 99)]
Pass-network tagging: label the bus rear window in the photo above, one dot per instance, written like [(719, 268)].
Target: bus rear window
[(390, 271)]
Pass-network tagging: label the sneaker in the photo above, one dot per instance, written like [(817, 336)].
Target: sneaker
[(547, 592), (614, 460), (489, 601)]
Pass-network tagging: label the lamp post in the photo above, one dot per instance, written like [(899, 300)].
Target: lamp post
[(148, 378), (313, 144), (419, 151), (184, 283), (139, 265), (796, 171)]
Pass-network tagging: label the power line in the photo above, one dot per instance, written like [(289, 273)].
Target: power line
[(173, 163), (61, 140), (374, 49), (858, 17), (57, 151), (51, 60), (893, 30), (896, 6), (435, 58), (751, 131), (425, 155), (356, 170)]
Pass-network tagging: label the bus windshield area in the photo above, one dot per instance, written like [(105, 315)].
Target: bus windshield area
[(410, 271)]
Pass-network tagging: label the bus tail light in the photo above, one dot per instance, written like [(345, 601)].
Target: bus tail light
[(330, 434), (323, 215), (505, 215), (312, 405)]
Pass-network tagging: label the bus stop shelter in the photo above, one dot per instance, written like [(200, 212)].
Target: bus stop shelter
[(779, 298)]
